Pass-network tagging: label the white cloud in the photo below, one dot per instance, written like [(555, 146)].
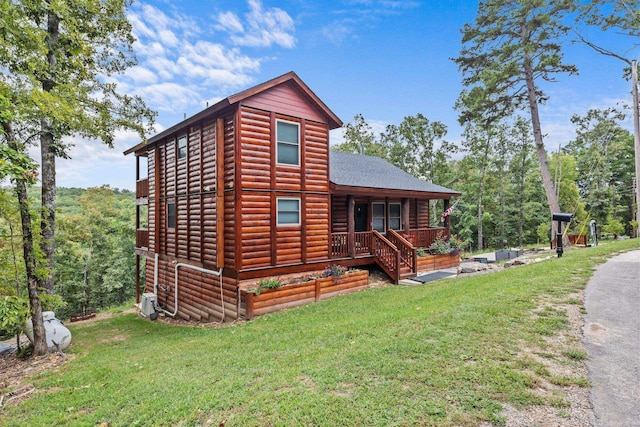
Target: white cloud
[(180, 68), (265, 27), (229, 21), (141, 75)]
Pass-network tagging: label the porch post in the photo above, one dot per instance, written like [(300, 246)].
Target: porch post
[(351, 225), (447, 202), (406, 223)]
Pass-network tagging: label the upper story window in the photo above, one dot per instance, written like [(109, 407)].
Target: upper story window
[(288, 211), (288, 143), (182, 147)]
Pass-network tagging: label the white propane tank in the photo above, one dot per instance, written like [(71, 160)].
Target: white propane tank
[(57, 335)]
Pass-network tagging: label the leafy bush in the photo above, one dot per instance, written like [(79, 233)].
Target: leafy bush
[(268, 283), (334, 270), (14, 312), (443, 246), (421, 252)]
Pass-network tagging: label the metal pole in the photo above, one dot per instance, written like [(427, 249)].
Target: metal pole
[(636, 133)]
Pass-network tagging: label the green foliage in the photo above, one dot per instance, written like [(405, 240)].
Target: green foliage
[(268, 283), (14, 312), (50, 302), (446, 246), (544, 232), (613, 226), (436, 355)]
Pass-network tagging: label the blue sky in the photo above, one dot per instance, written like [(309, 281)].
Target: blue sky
[(385, 59)]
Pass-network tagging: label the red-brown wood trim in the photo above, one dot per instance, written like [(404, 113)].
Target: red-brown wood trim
[(219, 192), (237, 185), (303, 227), (137, 279), (406, 221), (274, 228), (386, 214), (201, 186), (272, 126), (274, 208), (187, 188), (366, 191), (176, 229), (351, 224), (156, 199), (303, 157)]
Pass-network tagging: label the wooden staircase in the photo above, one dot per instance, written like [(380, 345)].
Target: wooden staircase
[(395, 255)]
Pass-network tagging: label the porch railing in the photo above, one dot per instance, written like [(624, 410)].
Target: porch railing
[(142, 188), (408, 253), (339, 245), (362, 243), (142, 238), (387, 256), (424, 237)]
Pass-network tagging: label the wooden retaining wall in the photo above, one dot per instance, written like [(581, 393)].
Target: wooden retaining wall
[(287, 296), (437, 262)]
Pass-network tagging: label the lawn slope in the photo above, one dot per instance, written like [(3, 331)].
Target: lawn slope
[(445, 353)]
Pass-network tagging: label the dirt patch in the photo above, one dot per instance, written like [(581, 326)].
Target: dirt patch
[(15, 370)]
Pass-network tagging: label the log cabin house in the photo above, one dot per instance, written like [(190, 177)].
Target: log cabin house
[(248, 188)]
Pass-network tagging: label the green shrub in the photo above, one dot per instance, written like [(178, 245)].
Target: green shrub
[(14, 312), (268, 283)]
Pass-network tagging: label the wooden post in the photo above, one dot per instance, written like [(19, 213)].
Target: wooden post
[(447, 202), (405, 215), (351, 225), (137, 279), (636, 133), (219, 192)]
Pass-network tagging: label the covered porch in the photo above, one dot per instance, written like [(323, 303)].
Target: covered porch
[(383, 230)]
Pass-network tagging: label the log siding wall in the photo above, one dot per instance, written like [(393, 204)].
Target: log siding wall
[(263, 181)]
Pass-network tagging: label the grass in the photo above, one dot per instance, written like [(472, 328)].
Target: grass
[(444, 354)]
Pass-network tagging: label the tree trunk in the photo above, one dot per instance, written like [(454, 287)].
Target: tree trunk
[(35, 306), (480, 191), (48, 154), (547, 182), (521, 192)]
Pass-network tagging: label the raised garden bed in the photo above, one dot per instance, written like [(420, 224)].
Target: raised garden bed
[(438, 262), (292, 295)]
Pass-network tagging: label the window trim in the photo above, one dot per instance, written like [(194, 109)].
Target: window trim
[(399, 215), (186, 147), (169, 216), (288, 224), (278, 142), (384, 216)]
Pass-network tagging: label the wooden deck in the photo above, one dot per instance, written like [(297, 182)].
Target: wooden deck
[(395, 252)]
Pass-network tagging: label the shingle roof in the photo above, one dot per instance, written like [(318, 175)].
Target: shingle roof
[(357, 170)]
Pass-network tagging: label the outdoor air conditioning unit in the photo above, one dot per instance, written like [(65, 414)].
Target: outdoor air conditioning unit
[(148, 304)]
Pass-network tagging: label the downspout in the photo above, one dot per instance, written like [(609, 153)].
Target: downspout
[(175, 286)]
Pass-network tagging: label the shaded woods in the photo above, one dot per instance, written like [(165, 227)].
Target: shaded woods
[(95, 239)]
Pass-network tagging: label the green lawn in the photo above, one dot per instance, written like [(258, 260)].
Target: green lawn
[(441, 354)]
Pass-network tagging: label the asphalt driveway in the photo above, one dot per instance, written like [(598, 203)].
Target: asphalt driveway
[(612, 340)]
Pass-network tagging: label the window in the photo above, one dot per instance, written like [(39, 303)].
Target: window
[(288, 211), (288, 143), (395, 221), (378, 220), (171, 215), (182, 147)]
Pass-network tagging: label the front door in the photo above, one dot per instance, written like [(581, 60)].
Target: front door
[(361, 213)]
